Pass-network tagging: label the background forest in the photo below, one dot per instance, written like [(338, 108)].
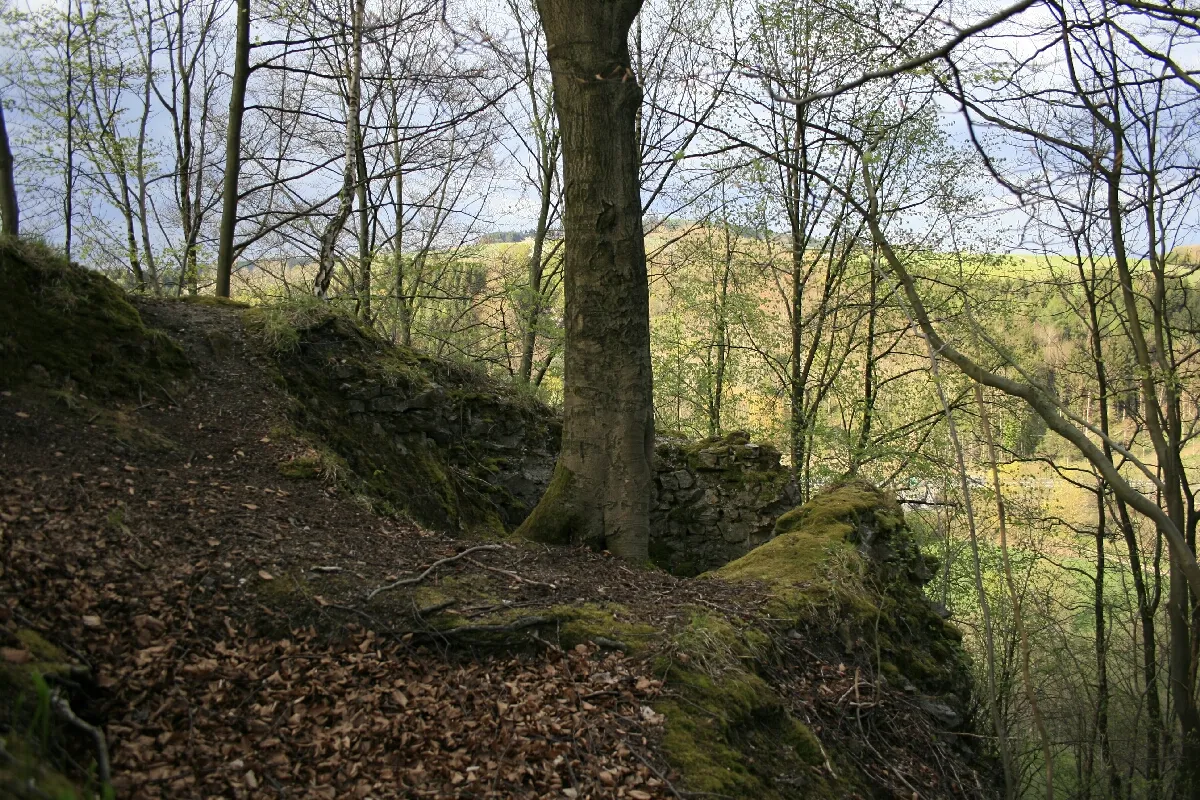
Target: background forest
[(1033, 186)]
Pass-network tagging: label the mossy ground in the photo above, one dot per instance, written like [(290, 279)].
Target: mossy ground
[(36, 748), (68, 326), (552, 521), (728, 731)]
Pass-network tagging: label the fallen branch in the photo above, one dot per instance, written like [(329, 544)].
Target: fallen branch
[(174, 402), (432, 567), (63, 709), (513, 575), (436, 607), (825, 756), (512, 627), (609, 644)]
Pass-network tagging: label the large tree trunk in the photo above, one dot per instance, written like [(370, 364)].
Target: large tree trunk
[(233, 148), (8, 186), (601, 488)]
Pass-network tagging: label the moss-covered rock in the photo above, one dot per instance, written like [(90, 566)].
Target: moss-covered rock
[(847, 556), (728, 731), (63, 324), (843, 574), (443, 443)]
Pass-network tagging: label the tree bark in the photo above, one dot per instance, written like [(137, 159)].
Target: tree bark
[(601, 489), (351, 173), (9, 214), (233, 148), (546, 167)]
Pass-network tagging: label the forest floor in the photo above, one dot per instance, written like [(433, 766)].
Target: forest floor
[(233, 647)]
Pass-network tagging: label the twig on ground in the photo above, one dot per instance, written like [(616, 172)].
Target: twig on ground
[(513, 575), (63, 709), (670, 786), (825, 756), (512, 627), (174, 402), (548, 645), (610, 644), (432, 567), (435, 608)]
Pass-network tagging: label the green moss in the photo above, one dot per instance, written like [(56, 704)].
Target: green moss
[(345, 384), (27, 773), (301, 467), (814, 561), (732, 736), (76, 325), (39, 748), (45, 658), (579, 624), (41, 649), (276, 327), (553, 520), (847, 557), (728, 732)]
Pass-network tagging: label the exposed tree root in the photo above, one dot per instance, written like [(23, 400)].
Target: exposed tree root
[(432, 567)]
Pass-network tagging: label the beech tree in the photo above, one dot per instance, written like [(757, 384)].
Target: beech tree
[(233, 148), (602, 484), (8, 187)]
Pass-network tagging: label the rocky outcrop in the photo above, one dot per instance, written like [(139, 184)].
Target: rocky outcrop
[(441, 442), (717, 499), (849, 555)]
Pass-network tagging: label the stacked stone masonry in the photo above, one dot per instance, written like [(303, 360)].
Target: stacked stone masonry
[(716, 500)]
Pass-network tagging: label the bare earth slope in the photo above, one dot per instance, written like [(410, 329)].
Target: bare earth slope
[(163, 576)]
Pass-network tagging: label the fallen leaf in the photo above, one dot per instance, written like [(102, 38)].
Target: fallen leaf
[(15, 656), (250, 506), (266, 576), (92, 621)]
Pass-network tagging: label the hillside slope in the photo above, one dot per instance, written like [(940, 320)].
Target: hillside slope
[(200, 567)]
